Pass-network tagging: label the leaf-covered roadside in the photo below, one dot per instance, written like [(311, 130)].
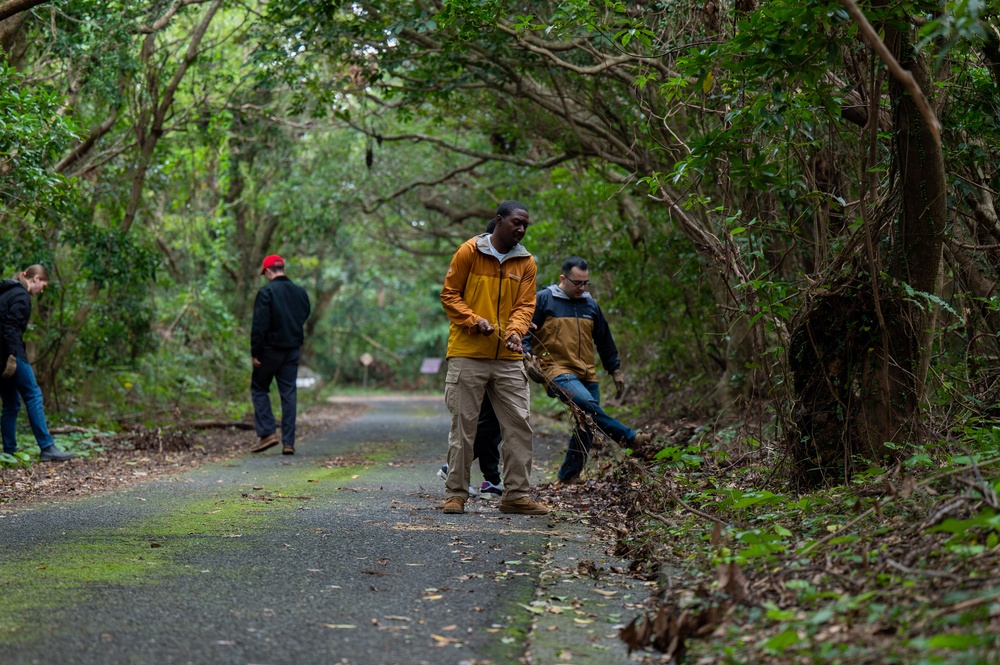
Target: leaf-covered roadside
[(107, 461), (898, 566)]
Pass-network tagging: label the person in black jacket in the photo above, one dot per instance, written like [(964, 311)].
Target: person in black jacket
[(15, 310), (279, 315)]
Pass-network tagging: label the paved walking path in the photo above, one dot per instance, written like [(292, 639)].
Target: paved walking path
[(339, 554)]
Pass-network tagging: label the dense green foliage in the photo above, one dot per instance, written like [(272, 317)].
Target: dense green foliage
[(784, 240), (718, 165)]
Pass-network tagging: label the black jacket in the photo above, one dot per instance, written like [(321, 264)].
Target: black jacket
[(15, 310), (279, 314)]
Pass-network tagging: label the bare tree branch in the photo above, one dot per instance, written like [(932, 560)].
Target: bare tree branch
[(15, 7), (369, 208), (87, 144), (149, 137), (902, 75), (163, 21)]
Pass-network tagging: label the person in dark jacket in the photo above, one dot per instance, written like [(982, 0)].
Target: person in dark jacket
[(569, 323), (279, 315), (15, 310)]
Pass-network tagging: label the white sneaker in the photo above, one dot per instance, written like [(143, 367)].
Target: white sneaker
[(442, 473)]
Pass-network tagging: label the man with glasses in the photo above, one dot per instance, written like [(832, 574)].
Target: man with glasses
[(569, 324), (488, 296)]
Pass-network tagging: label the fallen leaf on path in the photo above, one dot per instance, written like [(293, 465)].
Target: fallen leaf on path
[(434, 597), (443, 640), (606, 594), (338, 625)]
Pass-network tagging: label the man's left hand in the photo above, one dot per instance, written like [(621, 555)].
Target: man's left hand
[(619, 380), (513, 343)]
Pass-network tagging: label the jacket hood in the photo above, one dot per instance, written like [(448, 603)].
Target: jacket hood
[(8, 284), (559, 293), (483, 245)]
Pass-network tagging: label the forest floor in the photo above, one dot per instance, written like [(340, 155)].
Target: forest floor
[(900, 565)]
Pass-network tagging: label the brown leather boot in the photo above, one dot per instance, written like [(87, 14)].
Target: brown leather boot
[(265, 443), (523, 506)]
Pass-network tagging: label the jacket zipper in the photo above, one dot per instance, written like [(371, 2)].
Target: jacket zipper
[(496, 355)]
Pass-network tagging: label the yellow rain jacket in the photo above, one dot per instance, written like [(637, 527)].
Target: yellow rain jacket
[(480, 286)]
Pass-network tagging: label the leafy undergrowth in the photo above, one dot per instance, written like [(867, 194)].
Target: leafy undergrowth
[(900, 565)]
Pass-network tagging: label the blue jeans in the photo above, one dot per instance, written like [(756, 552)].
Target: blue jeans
[(22, 386), (282, 367), (587, 396)]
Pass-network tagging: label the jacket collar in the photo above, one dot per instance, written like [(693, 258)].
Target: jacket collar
[(559, 293), (8, 284), (483, 245)]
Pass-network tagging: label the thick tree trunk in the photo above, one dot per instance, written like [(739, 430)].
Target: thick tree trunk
[(860, 352), (916, 254)]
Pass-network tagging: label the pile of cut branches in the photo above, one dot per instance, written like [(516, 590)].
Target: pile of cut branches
[(898, 565)]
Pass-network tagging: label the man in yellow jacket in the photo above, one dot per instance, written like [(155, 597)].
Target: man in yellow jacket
[(489, 296)]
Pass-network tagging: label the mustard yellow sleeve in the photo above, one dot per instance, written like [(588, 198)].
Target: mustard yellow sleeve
[(453, 291), (524, 304)]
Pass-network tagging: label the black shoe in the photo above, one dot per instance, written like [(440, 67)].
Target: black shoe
[(53, 454)]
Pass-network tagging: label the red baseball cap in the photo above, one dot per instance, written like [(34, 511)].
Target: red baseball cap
[(271, 261)]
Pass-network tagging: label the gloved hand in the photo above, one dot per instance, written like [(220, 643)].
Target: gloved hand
[(619, 380), (10, 368), (533, 369)]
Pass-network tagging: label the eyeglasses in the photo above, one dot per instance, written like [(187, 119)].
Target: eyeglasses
[(579, 282)]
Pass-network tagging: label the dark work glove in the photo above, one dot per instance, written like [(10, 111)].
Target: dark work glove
[(619, 380), (10, 368)]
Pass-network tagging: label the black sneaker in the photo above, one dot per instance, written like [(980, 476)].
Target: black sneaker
[(443, 472), (53, 454)]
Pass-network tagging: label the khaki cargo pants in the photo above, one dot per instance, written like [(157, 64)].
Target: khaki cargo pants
[(507, 385)]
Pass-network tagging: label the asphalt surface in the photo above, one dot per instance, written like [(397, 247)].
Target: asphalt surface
[(339, 554)]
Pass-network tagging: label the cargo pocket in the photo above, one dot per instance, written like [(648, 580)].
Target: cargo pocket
[(451, 389)]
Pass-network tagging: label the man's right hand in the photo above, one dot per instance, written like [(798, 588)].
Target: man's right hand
[(483, 327), (256, 363)]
